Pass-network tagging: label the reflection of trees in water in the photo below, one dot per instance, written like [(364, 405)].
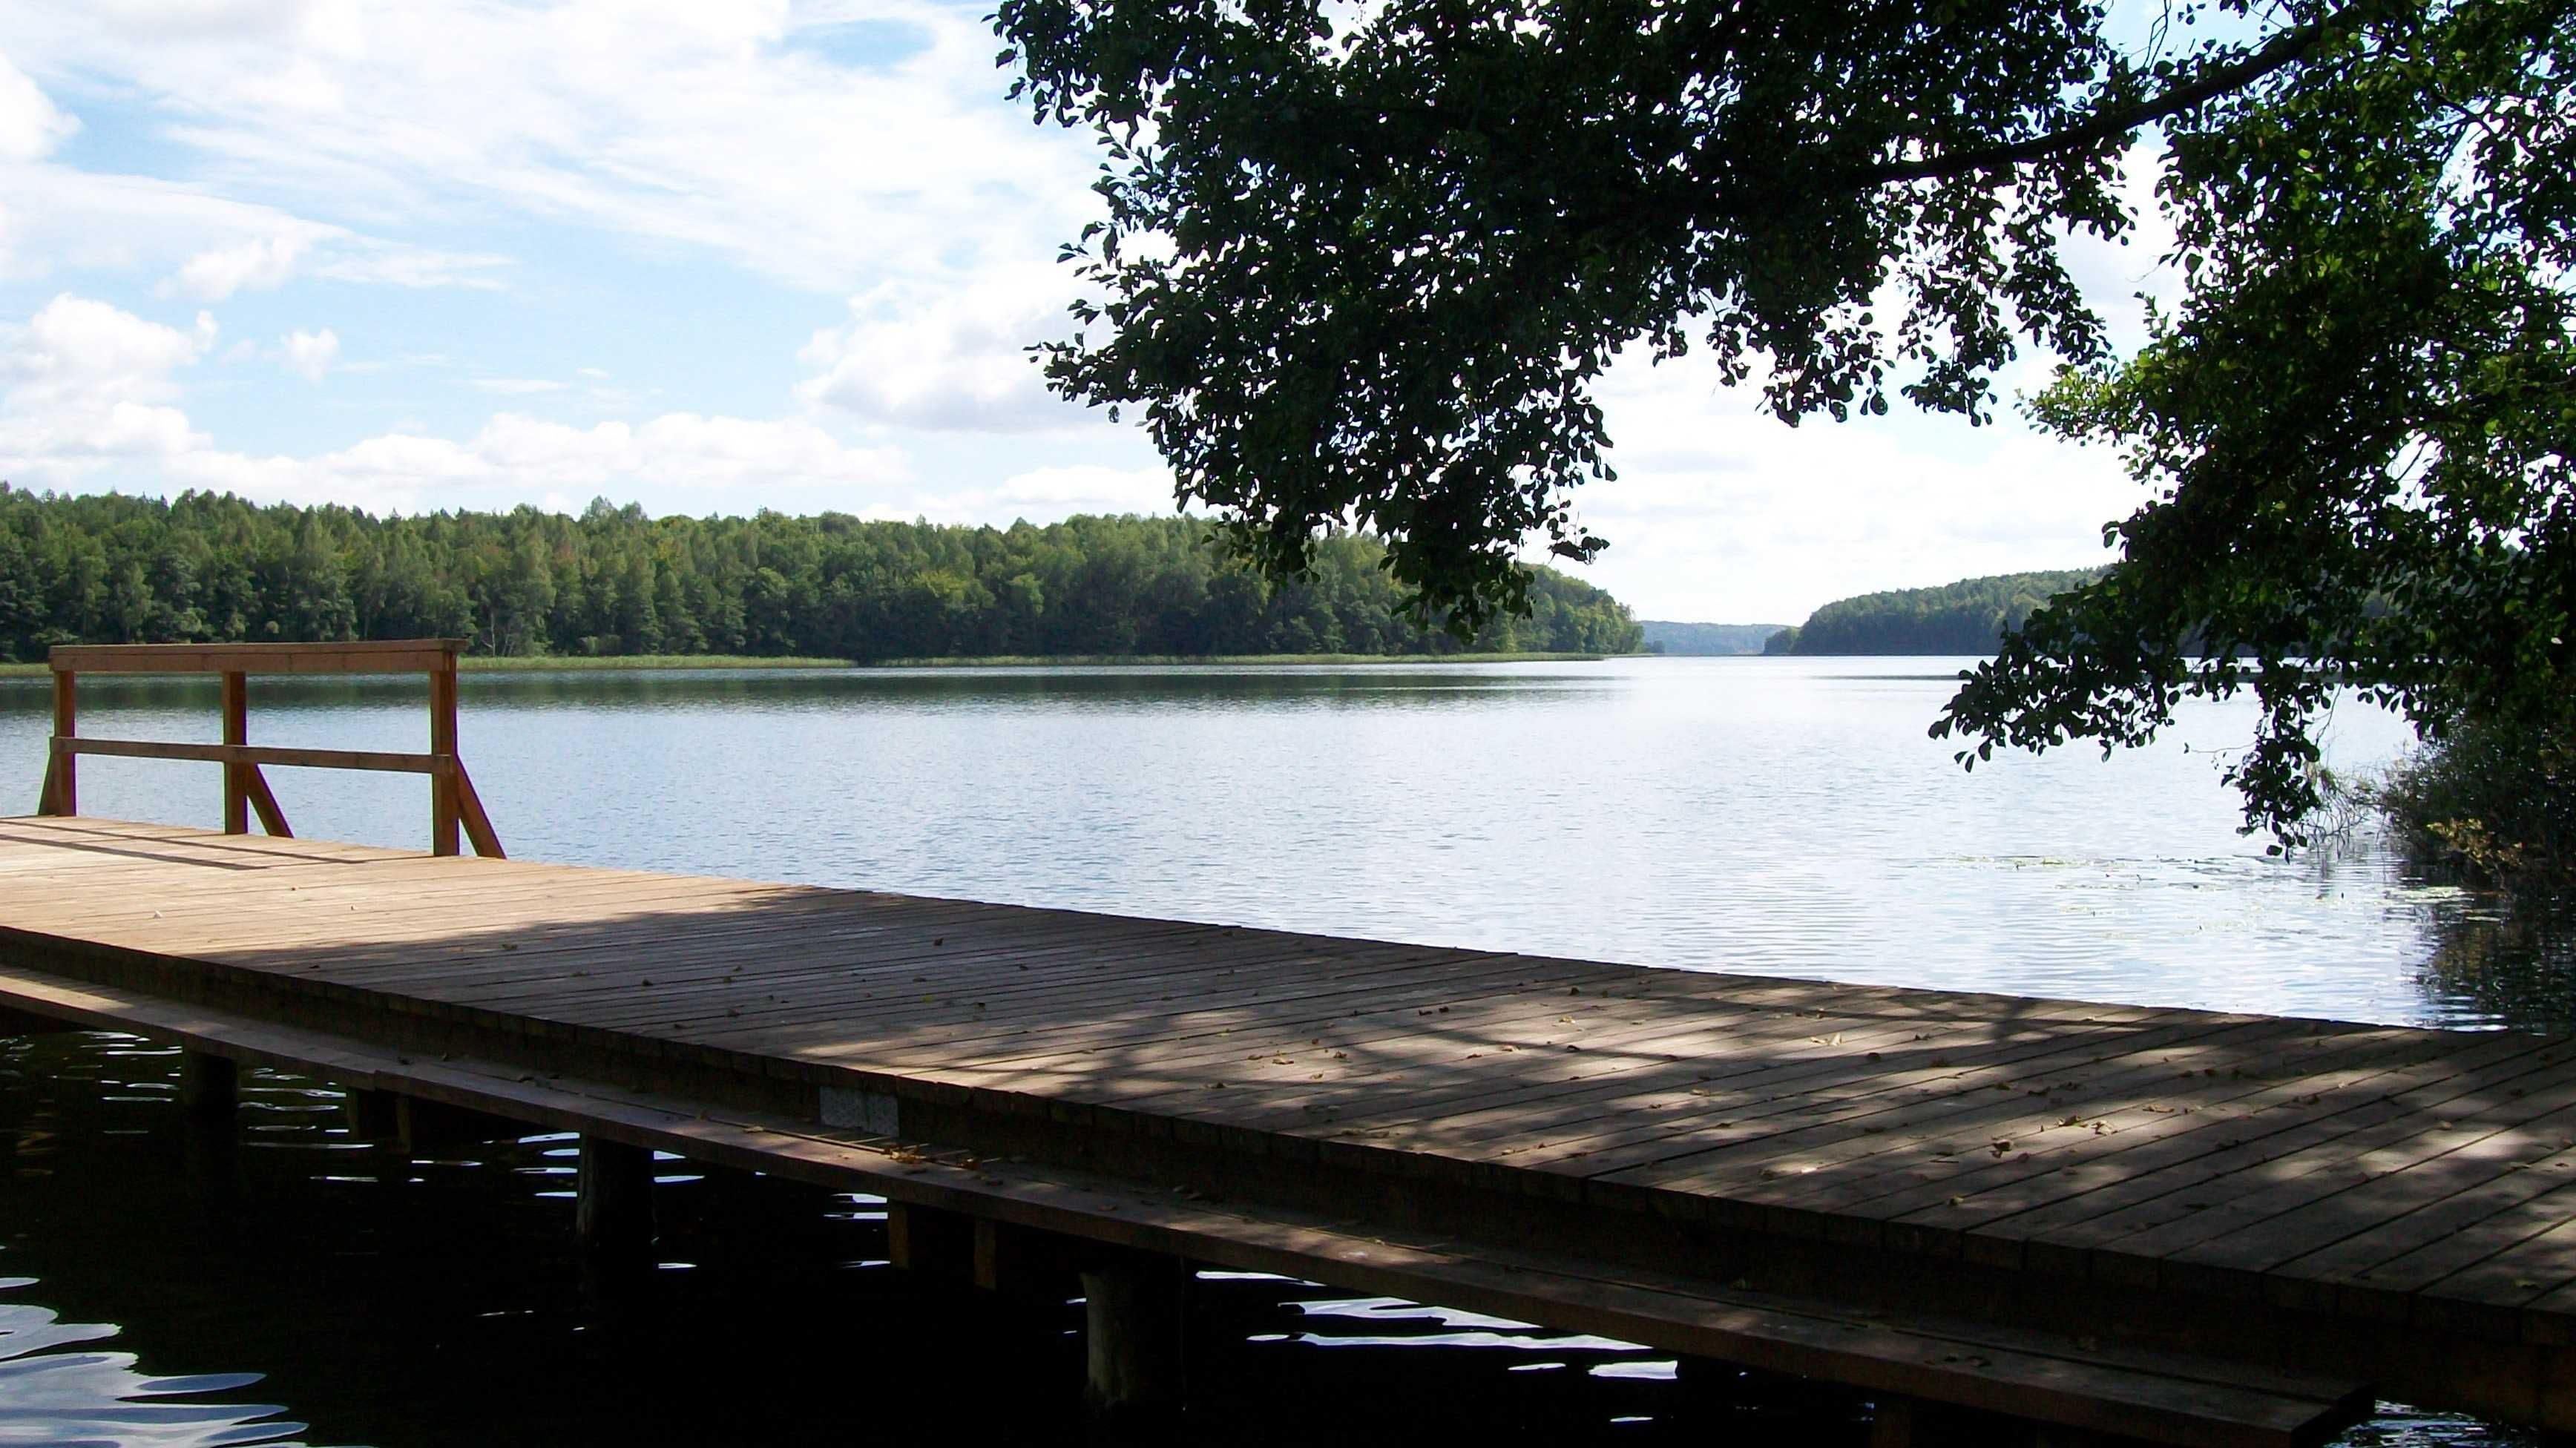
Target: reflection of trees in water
[(1435, 685), (2496, 960)]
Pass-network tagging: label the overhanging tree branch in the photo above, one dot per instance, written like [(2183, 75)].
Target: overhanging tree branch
[(2285, 49)]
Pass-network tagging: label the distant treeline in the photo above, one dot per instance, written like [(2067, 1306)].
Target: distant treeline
[(1666, 637), (108, 568), (1966, 617)]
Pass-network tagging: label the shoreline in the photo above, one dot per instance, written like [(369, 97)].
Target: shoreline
[(646, 663)]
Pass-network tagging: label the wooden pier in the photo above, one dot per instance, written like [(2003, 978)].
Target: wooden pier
[(2160, 1225)]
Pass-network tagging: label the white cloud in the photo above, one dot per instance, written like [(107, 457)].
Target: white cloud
[(55, 218), (680, 461), (264, 263), (945, 359), (1090, 488), (87, 394), (309, 134), (75, 349), (1045, 494), (30, 124), (84, 385), (1722, 513), (2113, 275), (259, 264), (310, 354), (713, 126), (374, 262)]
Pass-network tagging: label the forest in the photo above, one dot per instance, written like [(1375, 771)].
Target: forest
[(1966, 617), (112, 568), (1664, 636)]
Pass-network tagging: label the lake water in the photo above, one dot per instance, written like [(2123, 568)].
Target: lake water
[(1784, 816)]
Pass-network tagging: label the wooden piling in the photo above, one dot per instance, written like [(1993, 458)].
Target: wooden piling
[(1134, 1337), (614, 1212), (209, 1089), (926, 1240), (1021, 1262), (375, 1116), (429, 1127)]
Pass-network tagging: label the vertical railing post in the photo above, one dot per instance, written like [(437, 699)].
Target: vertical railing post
[(62, 787), (236, 772), (442, 743)]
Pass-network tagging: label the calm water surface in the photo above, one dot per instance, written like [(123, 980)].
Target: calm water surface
[(1783, 816)]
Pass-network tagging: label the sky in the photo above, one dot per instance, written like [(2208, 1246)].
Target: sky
[(714, 258)]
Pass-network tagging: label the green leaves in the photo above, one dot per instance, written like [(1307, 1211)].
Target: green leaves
[(1368, 276), (1390, 260), (2357, 423)]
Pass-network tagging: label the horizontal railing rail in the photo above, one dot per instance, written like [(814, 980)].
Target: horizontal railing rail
[(454, 807), (391, 656), (261, 754)]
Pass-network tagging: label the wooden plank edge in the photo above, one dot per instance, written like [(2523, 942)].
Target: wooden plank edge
[(388, 656), (1747, 1328)]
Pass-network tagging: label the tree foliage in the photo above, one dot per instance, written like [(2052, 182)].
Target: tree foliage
[(1370, 269), (1971, 616), (2358, 423), (114, 569), (1367, 272), (1705, 639)]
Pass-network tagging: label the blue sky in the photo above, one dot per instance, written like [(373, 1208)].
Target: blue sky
[(722, 257)]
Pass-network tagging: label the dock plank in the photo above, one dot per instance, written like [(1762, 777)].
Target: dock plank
[(2364, 1174)]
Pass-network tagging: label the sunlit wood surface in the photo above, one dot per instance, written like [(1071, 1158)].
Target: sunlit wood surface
[(2393, 1175)]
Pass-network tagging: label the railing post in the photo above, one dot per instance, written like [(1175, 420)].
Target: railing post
[(236, 772), (442, 743), (62, 791)]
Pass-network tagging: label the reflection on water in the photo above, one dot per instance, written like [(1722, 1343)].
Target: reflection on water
[(401, 1299), (50, 1395), (434, 1299), (1782, 816), (1779, 816), (982, 689), (2486, 961)]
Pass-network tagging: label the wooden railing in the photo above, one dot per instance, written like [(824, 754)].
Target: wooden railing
[(453, 805)]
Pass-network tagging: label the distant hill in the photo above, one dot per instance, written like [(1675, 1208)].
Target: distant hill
[(1966, 617), (1666, 637)]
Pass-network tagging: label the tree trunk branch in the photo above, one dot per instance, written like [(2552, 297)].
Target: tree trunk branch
[(2285, 49)]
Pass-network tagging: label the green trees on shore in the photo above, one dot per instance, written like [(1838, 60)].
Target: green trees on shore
[(109, 568), (1966, 617)]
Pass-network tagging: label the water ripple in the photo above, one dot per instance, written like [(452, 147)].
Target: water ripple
[(71, 1399)]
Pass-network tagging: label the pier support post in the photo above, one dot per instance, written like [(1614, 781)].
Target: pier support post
[(375, 1116), (1135, 1313), (209, 1108), (1709, 1390), (930, 1241), (426, 1128), (614, 1210), (209, 1090), (1031, 1265)]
